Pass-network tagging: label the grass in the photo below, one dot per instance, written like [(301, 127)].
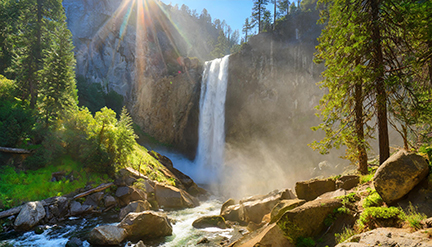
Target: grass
[(414, 218), (373, 199), (18, 186), (345, 234), (381, 217)]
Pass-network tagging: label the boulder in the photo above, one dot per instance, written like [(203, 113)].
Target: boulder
[(134, 207), (29, 216), (311, 189), (107, 235), (129, 194), (388, 237), (255, 210), (332, 194), (234, 213), (122, 191), (77, 209), (94, 199), (172, 197), (308, 219), (283, 206), (226, 204), (109, 201), (146, 225), (399, 174), (210, 221), (270, 235), (347, 182)]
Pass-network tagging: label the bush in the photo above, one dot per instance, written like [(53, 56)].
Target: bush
[(346, 234), (373, 200), (305, 242), (414, 218), (374, 217)]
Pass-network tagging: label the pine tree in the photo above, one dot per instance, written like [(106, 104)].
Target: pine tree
[(58, 90), (247, 26), (283, 6), (258, 13)]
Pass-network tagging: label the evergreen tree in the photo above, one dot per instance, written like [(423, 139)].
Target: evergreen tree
[(247, 26), (258, 10), (58, 90), (283, 7)]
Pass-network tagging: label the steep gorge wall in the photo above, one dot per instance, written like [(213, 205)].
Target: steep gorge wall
[(137, 60)]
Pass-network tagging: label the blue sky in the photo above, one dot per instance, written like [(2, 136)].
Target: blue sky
[(234, 12)]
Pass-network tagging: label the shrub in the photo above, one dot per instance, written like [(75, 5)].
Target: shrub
[(305, 242), (373, 200), (373, 217)]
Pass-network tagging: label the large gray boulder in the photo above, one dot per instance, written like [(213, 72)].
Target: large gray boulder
[(107, 235), (29, 216), (399, 174), (171, 197), (77, 209), (311, 189), (146, 225)]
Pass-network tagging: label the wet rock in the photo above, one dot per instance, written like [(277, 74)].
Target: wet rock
[(227, 203), (283, 206), (40, 229), (210, 221), (30, 215), (109, 201), (134, 207), (77, 209), (311, 189), (347, 182), (107, 235), (94, 199), (146, 225), (399, 174), (203, 241), (74, 242), (172, 197)]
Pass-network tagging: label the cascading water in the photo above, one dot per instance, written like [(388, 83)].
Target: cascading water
[(211, 130)]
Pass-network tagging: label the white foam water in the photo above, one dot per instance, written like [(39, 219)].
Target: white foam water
[(211, 130)]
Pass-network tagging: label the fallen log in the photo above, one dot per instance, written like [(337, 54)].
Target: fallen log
[(97, 189), (14, 150)]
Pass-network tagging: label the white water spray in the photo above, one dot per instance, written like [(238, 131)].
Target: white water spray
[(211, 130)]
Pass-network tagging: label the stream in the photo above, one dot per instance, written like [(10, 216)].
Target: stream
[(183, 232)]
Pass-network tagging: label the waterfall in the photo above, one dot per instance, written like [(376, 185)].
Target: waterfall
[(211, 130)]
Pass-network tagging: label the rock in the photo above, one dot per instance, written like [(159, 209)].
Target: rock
[(347, 182), (77, 209), (388, 237), (134, 207), (283, 206), (226, 204), (122, 191), (57, 176), (29, 216), (94, 199), (107, 235), (269, 235), (140, 244), (311, 189), (203, 241), (109, 201), (254, 208), (332, 194), (399, 174), (308, 219), (129, 181), (172, 197), (74, 242), (39, 229), (210, 221), (146, 225)]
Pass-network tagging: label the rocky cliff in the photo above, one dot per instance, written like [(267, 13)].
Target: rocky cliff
[(137, 55)]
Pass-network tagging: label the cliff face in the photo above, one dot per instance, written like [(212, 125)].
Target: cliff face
[(137, 56)]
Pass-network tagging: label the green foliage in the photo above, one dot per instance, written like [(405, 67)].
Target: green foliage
[(414, 218), (346, 234), (305, 242), (350, 198), (373, 217), (373, 200), (18, 186)]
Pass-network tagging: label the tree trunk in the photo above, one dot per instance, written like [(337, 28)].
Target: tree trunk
[(38, 56), (259, 17), (274, 16), (361, 149), (383, 139)]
